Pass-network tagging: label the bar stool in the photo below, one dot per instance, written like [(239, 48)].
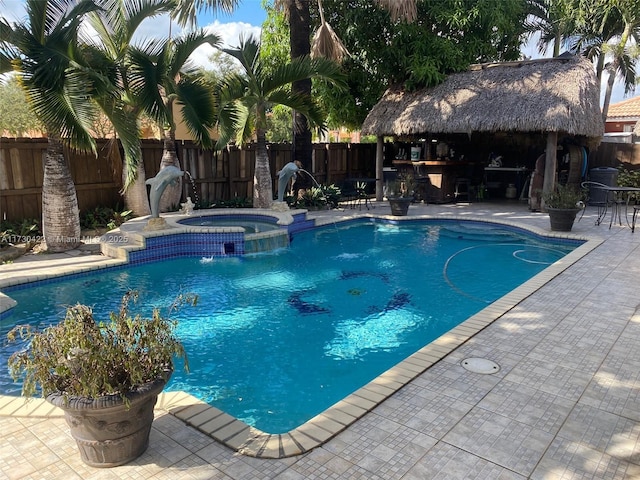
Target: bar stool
[(462, 189)]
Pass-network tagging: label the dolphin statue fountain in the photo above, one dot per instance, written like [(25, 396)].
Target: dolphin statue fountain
[(166, 176)]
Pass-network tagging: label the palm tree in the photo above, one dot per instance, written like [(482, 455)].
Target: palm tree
[(115, 24), (163, 81), (299, 15), (625, 56), (604, 34), (246, 98), (553, 19), (44, 51)]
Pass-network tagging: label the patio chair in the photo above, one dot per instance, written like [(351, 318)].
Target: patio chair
[(599, 198), (348, 193), (636, 209)]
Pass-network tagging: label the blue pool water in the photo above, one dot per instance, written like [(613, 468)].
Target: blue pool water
[(277, 338)]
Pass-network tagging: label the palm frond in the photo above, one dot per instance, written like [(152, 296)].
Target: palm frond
[(139, 10), (8, 52), (184, 46), (302, 68), (247, 53), (234, 121), (198, 110), (185, 10), (302, 104), (145, 83), (233, 87), (66, 113), (400, 10), (327, 44)]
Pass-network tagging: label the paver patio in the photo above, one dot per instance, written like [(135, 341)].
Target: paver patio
[(564, 405)]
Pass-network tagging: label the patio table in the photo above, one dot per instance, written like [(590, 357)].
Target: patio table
[(617, 197)]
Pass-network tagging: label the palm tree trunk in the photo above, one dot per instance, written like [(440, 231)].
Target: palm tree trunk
[(556, 44), (613, 68), (170, 199), (608, 91), (136, 198), (262, 185), (135, 195), (300, 44), (60, 214)]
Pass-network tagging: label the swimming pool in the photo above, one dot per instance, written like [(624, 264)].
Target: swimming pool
[(278, 338)]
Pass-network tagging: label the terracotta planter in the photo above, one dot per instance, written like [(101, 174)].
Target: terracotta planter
[(562, 218), (400, 205), (106, 431)]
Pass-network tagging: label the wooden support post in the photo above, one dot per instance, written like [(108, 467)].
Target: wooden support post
[(379, 169), (550, 166)]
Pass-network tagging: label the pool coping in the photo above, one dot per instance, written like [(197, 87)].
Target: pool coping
[(250, 441)]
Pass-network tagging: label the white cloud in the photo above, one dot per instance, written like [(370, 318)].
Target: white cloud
[(160, 27), (229, 34)]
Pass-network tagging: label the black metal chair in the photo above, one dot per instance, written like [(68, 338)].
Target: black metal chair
[(636, 209), (598, 198)]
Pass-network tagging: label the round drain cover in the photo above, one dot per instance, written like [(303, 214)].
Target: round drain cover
[(480, 365)]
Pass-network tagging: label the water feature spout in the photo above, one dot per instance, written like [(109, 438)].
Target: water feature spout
[(284, 175), (165, 177), (193, 186), (312, 177)]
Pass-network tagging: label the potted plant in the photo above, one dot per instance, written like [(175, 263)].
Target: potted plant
[(104, 375), (321, 197), (400, 194), (563, 204)]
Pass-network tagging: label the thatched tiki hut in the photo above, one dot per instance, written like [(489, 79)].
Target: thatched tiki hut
[(545, 101)]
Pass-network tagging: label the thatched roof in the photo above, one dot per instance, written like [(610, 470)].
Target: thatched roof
[(558, 94)]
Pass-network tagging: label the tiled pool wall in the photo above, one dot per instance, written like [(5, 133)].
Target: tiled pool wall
[(301, 223), (218, 244), (189, 245)]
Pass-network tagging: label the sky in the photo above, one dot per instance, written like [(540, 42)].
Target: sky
[(245, 20)]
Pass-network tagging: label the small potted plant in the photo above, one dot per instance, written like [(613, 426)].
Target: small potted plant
[(563, 204), (104, 375), (400, 194)]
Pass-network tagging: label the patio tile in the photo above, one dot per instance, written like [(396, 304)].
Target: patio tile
[(498, 439), (570, 460), (446, 462), (527, 405), (606, 432), (454, 381), (550, 377)]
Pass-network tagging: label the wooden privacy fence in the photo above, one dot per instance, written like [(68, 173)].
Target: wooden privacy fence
[(218, 176)]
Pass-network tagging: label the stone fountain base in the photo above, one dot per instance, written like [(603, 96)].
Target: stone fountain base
[(154, 224)]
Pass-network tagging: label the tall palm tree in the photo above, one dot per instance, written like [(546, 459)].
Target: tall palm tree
[(554, 20), (43, 49), (115, 24), (608, 33), (624, 52), (246, 97), (163, 81), (299, 14)]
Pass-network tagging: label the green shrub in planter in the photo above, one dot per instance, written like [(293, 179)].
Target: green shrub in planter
[(105, 375)]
